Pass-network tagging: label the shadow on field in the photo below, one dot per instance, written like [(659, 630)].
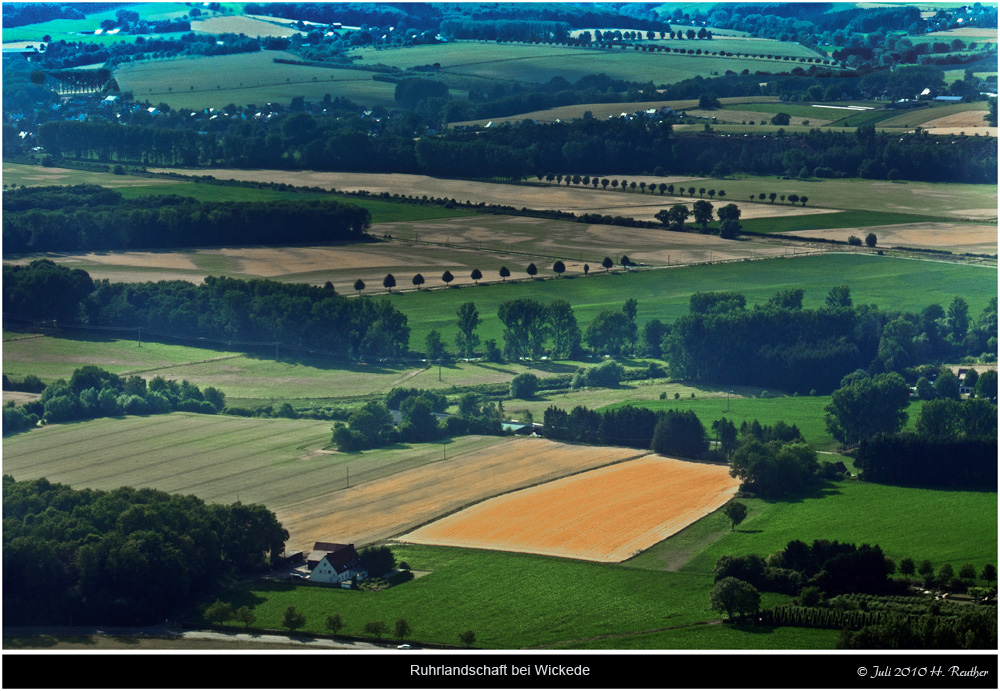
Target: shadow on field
[(821, 491), (329, 362)]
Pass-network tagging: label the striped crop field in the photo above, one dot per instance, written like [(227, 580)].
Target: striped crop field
[(283, 464)]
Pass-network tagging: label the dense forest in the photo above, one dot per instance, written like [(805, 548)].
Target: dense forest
[(87, 217), (122, 557)]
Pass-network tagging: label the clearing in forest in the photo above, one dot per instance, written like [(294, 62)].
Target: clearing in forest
[(605, 515)]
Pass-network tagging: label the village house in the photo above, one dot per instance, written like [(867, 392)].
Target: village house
[(330, 562)]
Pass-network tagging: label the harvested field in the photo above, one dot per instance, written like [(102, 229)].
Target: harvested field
[(602, 111), (579, 200), (19, 397), (741, 116), (459, 245), (970, 118), (250, 26), (970, 131), (284, 465), (955, 237), (394, 505), (605, 515)]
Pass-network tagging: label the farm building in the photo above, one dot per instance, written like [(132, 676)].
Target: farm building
[(331, 562)]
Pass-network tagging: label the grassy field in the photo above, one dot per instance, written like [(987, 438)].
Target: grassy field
[(72, 29), (944, 526), (539, 64), (892, 284), (842, 219), (203, 82), (564, 603), (641, 604), (246, 379)]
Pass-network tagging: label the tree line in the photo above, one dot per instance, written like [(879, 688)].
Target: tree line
[(122, 557), (257, 313), (323, 143), (92, 218)]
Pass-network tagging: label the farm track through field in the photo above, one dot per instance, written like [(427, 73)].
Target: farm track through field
[(182, 364)]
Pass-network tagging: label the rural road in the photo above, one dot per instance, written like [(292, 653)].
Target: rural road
[(196, 635)]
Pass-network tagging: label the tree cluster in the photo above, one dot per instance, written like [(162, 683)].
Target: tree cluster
[(93, 218), (669, 432), (122, 557), (93, 393), (256, 312)]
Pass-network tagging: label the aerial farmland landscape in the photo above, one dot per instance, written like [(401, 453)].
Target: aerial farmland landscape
[(500, 327)]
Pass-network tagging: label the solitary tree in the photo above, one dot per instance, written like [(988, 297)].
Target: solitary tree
[(333, 623), (402, 629), (389, 282), (246, 615), (359, 285), (476, 275), (418, 281), (468, 319), (531, 270), (218, 612), (607, 263), (447, 277), (735, 511), (871, 240), (376, 628), (467, 637), (559, 268), (504, 273), (293, 619)]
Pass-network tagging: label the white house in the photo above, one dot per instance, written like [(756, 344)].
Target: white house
[(335, 563)]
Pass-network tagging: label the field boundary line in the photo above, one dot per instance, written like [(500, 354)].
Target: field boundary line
[(183, 364), (640, 454)]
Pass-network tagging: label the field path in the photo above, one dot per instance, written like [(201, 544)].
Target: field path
[(390, 506)]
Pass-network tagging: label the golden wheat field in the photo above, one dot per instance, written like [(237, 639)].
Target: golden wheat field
[(606, 515)]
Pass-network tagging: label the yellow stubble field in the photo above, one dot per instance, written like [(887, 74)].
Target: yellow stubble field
[(605, 515)]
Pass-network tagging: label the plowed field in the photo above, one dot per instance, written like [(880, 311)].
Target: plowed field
[(605, 515)]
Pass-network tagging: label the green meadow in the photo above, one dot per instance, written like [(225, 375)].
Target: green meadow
[(941, 525), (892, 284), (651, 601)]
